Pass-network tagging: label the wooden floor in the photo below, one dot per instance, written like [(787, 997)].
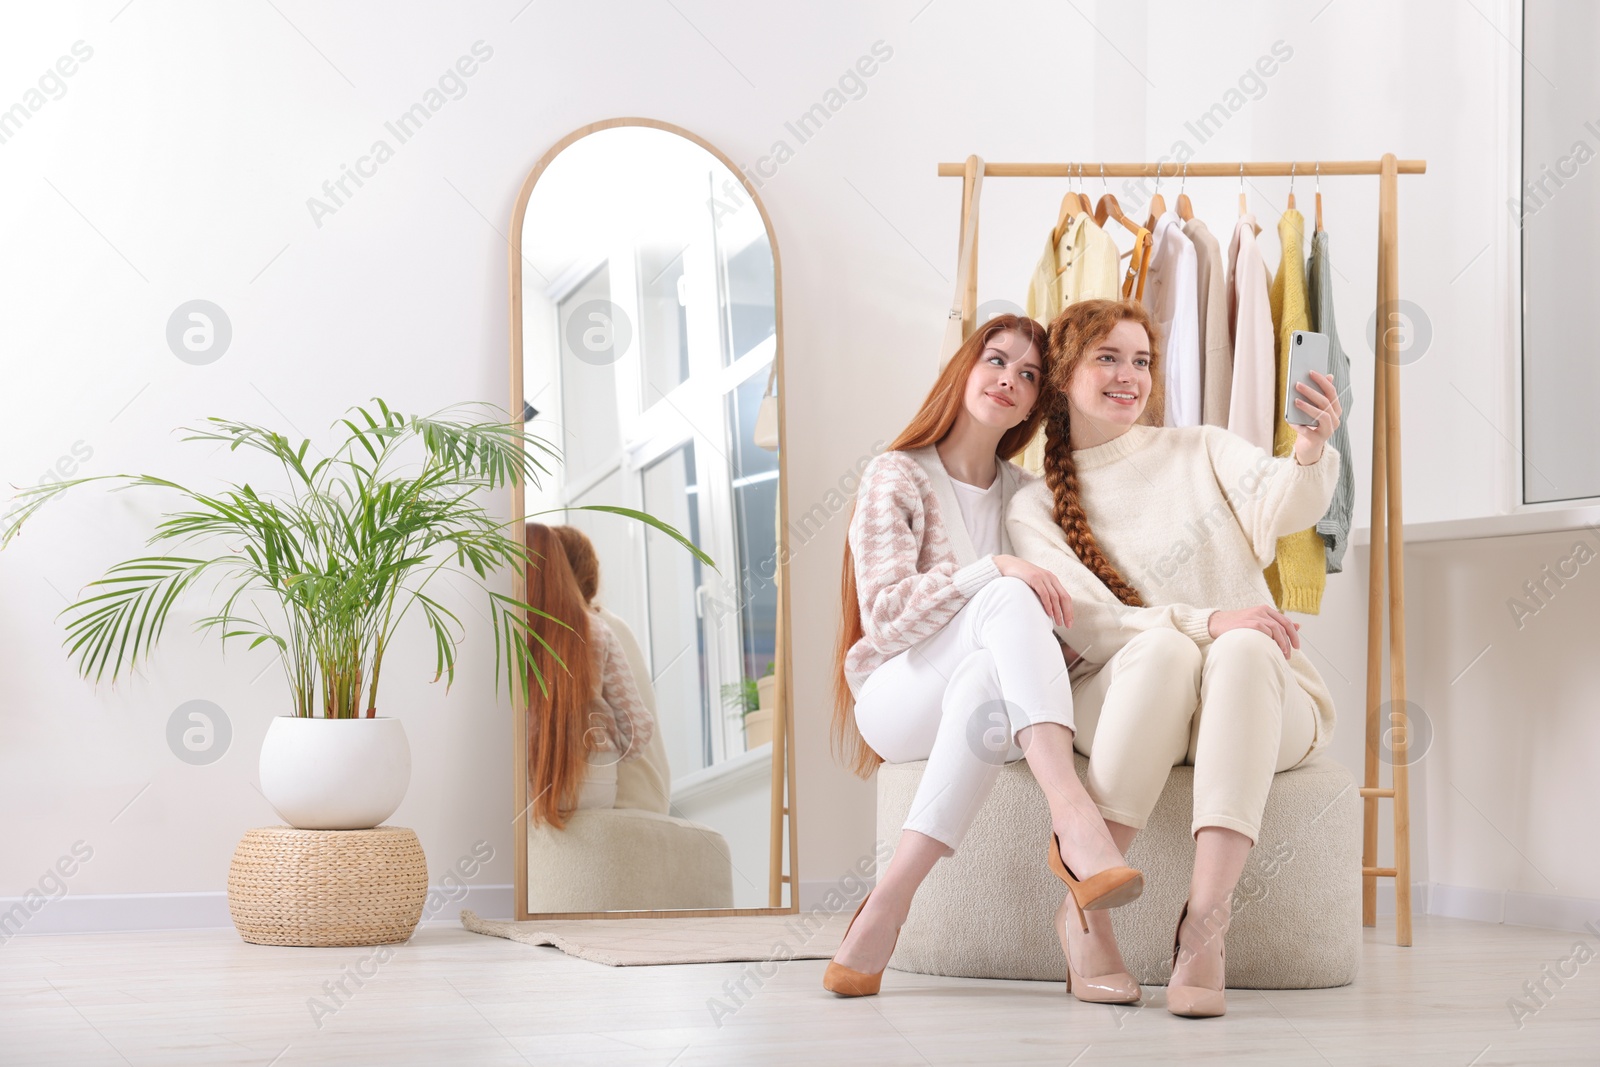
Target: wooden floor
[(450, 997)]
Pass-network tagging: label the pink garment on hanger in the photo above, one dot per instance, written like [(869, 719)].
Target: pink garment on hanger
[(1255, 369)]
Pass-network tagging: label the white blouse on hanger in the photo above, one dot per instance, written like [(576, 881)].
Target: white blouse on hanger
[(1172, 297)]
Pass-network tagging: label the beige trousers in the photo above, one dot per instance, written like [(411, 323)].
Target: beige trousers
[(1233, 710)]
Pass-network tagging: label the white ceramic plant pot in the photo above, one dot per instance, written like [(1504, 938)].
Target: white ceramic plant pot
[(767, 692), (335, 774)]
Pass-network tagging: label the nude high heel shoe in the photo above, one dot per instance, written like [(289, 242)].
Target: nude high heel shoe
[(1193, 1001), (1118, 987), (852, 983), (1110, 888)]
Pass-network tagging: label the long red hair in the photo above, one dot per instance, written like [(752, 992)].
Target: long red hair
[(566, 679), (932, 422), (1073, 335)]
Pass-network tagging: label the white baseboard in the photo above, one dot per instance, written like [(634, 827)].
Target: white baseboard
[(1512, 907), (120, 912), (1419, 898), (814, 891)]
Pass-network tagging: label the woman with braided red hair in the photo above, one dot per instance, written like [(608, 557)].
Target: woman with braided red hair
[(1160, 536)]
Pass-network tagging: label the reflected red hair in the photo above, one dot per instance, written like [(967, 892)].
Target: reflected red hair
[(566, 678)]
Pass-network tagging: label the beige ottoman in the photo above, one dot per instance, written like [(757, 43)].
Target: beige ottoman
[(620, 859), (987, 911)]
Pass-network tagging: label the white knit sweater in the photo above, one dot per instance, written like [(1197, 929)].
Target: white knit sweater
[(1189, 516), (914, 561)]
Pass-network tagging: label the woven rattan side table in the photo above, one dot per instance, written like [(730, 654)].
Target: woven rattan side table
[(326, 888)]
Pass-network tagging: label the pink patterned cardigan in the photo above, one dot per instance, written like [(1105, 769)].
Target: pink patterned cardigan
[(616, 710), (915, 564)]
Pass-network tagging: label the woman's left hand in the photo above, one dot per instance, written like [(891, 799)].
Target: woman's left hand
[(1324, 406)]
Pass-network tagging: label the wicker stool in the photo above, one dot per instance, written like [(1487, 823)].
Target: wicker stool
[(327, 888)]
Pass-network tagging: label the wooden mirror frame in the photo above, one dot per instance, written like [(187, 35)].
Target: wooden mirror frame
[(783, 777)]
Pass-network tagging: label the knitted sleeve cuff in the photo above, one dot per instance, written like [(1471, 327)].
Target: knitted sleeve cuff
[(1195, 623), (974, 576)]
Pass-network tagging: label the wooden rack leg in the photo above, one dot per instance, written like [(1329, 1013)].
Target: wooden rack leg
[(969, 299), (1375, 608), (1376, 557), (1400, 771), (1387, 519)]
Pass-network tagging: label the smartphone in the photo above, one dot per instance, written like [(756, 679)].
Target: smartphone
[(1307, 352)]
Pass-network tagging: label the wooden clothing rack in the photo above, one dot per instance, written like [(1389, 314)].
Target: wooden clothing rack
[(1388, 536)]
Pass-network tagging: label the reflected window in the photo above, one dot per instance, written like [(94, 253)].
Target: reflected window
[(663, 319), (677, 635), (749, 291), (755, 503), (661, 282), (589, 340)]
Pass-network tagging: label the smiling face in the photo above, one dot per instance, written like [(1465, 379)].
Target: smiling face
[(1003, 386), (1111, 382)]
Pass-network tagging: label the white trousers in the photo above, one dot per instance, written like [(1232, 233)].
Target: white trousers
[(958, 698), (1233, 710)]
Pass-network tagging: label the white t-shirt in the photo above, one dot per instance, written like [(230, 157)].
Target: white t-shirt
[(980, 510)]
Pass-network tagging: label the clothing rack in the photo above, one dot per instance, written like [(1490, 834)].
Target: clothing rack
[(1388, 531)]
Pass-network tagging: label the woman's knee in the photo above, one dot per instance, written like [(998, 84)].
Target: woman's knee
[(1245, 646), (1009, 593), (1168, 650), (1007, 609)]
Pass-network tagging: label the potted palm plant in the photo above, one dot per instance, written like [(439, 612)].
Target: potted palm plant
[(324, 574), (753, 700)]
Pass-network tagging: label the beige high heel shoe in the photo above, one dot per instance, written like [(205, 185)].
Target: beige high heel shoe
[(1110, 888), (1194, 1001), (848, 982), (1118, 987)]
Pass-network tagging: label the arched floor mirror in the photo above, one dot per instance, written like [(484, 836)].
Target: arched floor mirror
[(647, 346)]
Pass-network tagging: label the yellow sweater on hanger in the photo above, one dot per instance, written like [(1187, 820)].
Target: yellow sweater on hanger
[(1299, 573)]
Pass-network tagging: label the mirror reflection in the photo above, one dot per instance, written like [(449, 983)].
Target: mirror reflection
[(649, 345)]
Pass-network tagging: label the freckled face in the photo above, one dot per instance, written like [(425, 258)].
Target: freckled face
[(1004, 384)]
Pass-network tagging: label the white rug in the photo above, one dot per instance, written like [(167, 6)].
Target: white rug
[(653, 942)]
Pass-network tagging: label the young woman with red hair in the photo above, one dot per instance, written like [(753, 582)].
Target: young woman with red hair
[(1161, 535), (586, 715), (946, 650)]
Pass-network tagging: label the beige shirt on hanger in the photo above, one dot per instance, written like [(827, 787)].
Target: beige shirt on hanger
[(1216, 353), (1255, 368), (1081, 266)]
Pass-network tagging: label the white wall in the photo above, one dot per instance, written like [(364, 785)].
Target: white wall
[(178, 164)]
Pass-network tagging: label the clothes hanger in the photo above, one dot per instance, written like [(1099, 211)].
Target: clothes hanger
[(1319, 197), (1072, 204), (1069, 205), (1185, 209), (1158, 206), (1292, 166), (1084, 207), (1108, 208), (1244, 209)]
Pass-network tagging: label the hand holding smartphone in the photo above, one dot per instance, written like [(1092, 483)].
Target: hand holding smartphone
[(1307, 352)]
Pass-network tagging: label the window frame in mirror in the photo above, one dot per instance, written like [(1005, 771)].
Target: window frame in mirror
[(784, 838)]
